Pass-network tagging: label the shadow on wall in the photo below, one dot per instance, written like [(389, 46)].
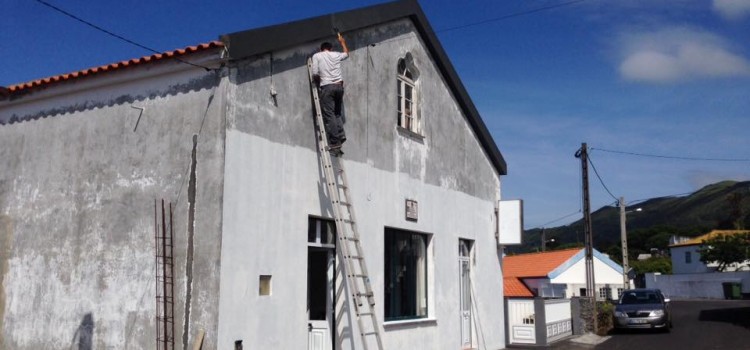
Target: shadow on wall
[(739, 316), (84, 335)]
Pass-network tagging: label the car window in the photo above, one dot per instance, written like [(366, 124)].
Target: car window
[(640, 297)]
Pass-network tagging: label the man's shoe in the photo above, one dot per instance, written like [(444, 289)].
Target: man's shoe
[(336, 152)]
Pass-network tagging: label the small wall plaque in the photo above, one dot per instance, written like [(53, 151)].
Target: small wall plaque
[(412, 210)]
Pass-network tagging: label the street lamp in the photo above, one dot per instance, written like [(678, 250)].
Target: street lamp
[(624, 238), (545, 240)]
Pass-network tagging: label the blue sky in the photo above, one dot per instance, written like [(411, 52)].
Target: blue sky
[(644, 76)]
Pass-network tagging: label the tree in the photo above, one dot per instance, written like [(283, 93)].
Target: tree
[(660, 264), (725, 249)]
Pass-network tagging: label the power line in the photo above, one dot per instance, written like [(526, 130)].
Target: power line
[(600, 178), (66, 13), (497, 19), (558, 219), (517, 14), (664, 196), (674, 157)]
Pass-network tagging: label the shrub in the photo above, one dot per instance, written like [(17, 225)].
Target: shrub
[(605, 316)]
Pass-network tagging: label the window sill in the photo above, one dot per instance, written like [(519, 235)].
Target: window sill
[(410, 134), (410, 322)]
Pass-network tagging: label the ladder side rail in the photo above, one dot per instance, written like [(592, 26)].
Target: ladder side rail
[(346, 237), (370, 295), (332, 187), (355, 234)]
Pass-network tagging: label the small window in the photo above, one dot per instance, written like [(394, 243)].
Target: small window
[(408, 116), (405, 275), (688, 258), (619, 292), (321, 231), (605, 293), (264, 285)]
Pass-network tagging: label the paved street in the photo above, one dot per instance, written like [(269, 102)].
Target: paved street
[(698, 324)]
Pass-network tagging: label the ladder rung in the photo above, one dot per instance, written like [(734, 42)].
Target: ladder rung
[(366, 314), (356, 257), (350, 239), (364, 334), (359, 275), (368, 294)]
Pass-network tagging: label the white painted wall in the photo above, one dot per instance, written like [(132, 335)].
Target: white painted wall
[(697, 285), (575, 278), (265, 232), (273, 184), (679, 265)]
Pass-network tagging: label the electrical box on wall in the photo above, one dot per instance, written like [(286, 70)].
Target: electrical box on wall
[(509, 221)]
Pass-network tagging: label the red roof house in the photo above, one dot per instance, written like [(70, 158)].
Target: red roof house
[(559, 273)]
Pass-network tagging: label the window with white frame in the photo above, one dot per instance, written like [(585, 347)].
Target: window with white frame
[(408, 114), (605, 293), (619, 292), (405, 275)]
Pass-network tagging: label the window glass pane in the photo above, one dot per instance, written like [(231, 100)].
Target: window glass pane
[(311, 230), (465, 286), (463, 248), (321, 231), (408, 92), (401, 66), (405, 275), (326, 232)]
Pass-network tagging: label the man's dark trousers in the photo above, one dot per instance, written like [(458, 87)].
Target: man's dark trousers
[(331, 99)]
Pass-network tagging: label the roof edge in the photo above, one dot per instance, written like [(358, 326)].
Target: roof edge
[(25, 87)]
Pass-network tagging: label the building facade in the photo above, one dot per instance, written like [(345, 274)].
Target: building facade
[(560, 274), (89, 156)]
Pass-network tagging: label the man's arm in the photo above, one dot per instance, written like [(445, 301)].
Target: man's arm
[(343, 44)]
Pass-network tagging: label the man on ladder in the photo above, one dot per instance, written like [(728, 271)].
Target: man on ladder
[(326, 68)]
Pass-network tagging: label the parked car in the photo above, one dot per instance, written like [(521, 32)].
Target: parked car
[(643, 308)]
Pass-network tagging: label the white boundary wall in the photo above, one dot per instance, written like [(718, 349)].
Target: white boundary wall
[(697, 285)]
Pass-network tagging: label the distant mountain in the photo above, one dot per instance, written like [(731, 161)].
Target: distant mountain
[(722, 205)]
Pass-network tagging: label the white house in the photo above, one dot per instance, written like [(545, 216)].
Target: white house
[(686, 257), (223, 133), (560, 274)]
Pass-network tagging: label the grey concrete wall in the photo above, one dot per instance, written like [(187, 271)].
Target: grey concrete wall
[(273, 183), (77, 192), (448, 155)]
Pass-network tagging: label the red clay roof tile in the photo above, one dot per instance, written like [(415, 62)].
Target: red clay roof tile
[(513, 287), (536, 264), (39, 83)]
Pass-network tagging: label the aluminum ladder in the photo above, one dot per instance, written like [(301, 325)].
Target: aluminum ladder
[(349, 247)]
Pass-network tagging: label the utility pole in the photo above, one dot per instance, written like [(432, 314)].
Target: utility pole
[(582, 153), (624, 242), (544, 240)]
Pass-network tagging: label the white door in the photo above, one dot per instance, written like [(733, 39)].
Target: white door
[(320, 281), (465, 287)]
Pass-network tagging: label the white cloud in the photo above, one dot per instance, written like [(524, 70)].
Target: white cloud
[(732, 9), (675, 54)]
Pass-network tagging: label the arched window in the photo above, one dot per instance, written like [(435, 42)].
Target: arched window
[(408, 116)]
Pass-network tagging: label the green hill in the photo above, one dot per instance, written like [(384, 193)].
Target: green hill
[(723, 205)]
